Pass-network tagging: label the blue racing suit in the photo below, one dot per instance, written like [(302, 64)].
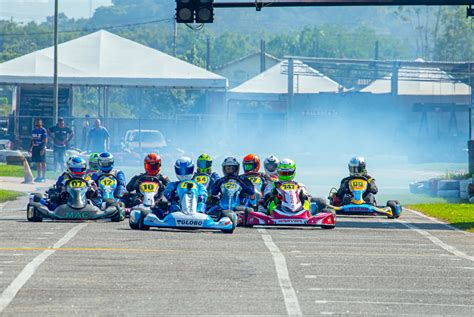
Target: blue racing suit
[(172, 195), (121, 182)]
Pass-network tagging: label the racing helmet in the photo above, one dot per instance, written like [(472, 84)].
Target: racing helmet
[(152, 164), (204, 164), (357, 166), (286, 170), (270, 165), (106, 162), (251, 163), (184, 168), (230, 166), (94, 161), (76, 166)]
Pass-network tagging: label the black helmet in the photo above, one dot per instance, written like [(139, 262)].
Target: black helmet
[(230, 166)]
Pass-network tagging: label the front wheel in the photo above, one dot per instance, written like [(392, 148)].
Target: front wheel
[(228, 230), (396, 209), (32, 214), (141, 224)]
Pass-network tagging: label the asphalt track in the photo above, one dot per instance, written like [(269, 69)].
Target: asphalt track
[(369, 266)]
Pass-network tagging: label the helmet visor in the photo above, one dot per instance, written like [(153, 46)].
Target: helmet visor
[(249, 167), (152, 168), (286, 173), (77, 171), (355, 169), (271, 167), (230, 170), (202, 164)]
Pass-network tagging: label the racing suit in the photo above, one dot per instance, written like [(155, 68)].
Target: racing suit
[(344, 195), (171, 193), (273, 199), (133, 188), (263, 179)]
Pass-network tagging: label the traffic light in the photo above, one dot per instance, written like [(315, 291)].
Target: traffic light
[(204, 11), (190, 11), (184, 11)]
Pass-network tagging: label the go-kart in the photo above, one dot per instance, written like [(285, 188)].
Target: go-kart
[(357, 205), (291, 211), (77, 207), (229, 201), (188, 217)]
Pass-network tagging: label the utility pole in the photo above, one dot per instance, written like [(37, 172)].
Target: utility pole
[(55, 84), (175, 35), (208, 54), (376, 57)]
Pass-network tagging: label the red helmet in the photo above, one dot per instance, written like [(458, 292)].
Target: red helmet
[(251, 163), (152, 164)]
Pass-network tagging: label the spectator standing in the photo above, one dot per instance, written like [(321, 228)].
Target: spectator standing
[(39, 140), (85, 131), (61, 136), (98, 140)]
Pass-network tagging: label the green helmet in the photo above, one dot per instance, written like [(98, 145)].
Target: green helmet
[(94, 161), (286, 170), (204, 164)]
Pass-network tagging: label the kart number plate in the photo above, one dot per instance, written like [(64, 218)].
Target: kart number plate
[(231, 185), (185, 185), (358, 184), (288, 187), (77, 183), (107, 181), (201, 179), (148, 187), (255, 180)]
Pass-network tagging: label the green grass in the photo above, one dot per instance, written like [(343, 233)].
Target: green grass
[(8, 195), (17, 171), (458, 215)]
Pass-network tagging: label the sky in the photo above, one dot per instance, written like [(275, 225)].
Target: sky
[(38, 10)]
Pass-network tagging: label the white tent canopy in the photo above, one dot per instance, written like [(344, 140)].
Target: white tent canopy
[(274, 81), (420, 81), (103, 58)]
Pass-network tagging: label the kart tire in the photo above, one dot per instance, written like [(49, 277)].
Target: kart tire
[(320, 204), (32, 214), (393, 204), (228, 231), (246, 215), (141, 225), (134, 226), (119, 216)]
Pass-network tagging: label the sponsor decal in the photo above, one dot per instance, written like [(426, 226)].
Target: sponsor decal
[(189, 222), (358, 209), (76, 215), (289, 221)]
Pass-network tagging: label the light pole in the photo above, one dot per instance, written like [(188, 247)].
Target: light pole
[(55, 84)]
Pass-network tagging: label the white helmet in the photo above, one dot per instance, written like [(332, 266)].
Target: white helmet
[(270, 164), (76, 166)]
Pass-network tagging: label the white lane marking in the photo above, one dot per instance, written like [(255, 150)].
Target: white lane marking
[(392, 303), (289, 294), (438, 242), (305, 264), (438, 221), (310, 276), (10, 292)]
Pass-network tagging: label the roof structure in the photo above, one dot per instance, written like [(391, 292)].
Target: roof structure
[(103, 58)]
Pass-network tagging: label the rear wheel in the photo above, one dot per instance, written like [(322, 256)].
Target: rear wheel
[(395, 207), (141, 225), (246, 216), (32, 214)]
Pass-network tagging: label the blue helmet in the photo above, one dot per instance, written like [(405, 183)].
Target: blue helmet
[(105, 162), (184, 168), (76, 166)]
